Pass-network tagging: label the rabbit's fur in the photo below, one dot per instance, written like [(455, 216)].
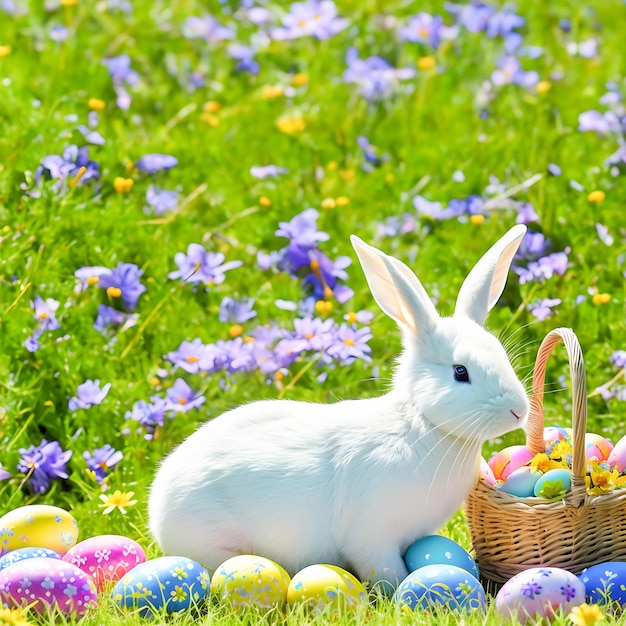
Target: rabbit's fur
[(356, 482)]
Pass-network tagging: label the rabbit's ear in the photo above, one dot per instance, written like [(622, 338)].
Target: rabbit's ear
[(485, 283), (396, 289)]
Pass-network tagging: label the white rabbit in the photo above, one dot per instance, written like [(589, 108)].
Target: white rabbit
[(356, 482)]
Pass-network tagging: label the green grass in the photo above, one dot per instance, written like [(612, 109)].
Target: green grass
[(430, 128)]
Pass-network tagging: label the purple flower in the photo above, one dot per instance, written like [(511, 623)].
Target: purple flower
[(601, 123), (473, 16), (426, 29), (510, 72), (200, 266), (108, 316), (192, 356), (161, 200), (90, 275), (317, 334), (236, 311), (543, 269), (102, 461), (603, 233), (370, 153), (526, 214), (375, 76), (149, 415), (43, 463), (543, 309), (502, 23), (302, 230), (4, 475), (618, 358), (153, 163), (312, 18), (206, 28), (554, 169), (245, 57), (32, 344), (123, 282), (45, 313), (436, 211), (67, 167), (88, 394), (181, 398), (267, 171), (350, 344), (324, 275), (533, 246), (122, 76)]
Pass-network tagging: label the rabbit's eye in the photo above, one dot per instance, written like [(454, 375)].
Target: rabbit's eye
[(460, 374)]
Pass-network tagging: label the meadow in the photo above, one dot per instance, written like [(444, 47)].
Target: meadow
[(178, 185)]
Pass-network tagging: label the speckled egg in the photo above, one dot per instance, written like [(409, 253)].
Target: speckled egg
[(508, 460), (486, 472), (617, 457), (38, 526), (605, 583), (326, 587), (538, 592), (521, 482), (169, 583), (435, 549), (106, 558), (45, 582), (441, 585), (553, 483), (597, 447), (27, 553)]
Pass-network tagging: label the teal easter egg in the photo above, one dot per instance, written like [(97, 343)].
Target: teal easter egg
[(440, 585), (247, 580), (438, 550), (168, 583), (27, 553), (553, 483), (521, 482), (605, 584)]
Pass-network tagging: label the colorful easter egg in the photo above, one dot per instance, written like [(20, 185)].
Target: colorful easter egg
[(605, 584), (597, 447), (37, 526), (556, 433), (247, 580), (538, 592), (106, 558), (435, 549), (521, 482), (508, 460), (27, 553), (486, 472), (553, 483), (47, 583), (441, 585), (326, 587), (168, 583), (617, 457)]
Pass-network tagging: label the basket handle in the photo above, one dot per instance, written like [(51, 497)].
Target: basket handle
[(534, 432)]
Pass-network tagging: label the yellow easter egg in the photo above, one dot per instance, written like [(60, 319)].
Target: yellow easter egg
[(38, 526), (246, 581), (326, 587)]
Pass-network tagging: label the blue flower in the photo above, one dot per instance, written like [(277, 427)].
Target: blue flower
[(123, 282), (149, 414), (182, 398), (236, 311), (200, 266), (313, 18), (88, 394), (161, 200), (43, 463), (102, 460), (153, 163), (426, 29)]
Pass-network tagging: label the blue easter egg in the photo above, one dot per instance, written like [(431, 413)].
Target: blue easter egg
[(27, 553), (441, 585), (605, 583), (170, 583), (521, 482), (435, 549), (553, 483)]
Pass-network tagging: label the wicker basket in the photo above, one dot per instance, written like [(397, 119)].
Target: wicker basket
[(511, 534)]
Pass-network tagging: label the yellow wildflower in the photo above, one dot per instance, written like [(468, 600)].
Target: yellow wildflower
[(601, 298), (269, 92), (235, 330), (13, 617), (540, 462), (543, 86), (265, 201), (477, 219), (95, 104), (596, 196), (586, 614), (300, 79), (114, 292), (211, 106), (69, 3), (426, 63), (329, 203), (323, 307), (599, 478), (117, 500), (5, 51), (123, 185), (291, 125), (342, 201)]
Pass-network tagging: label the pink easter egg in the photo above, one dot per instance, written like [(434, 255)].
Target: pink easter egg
[(597, 446), (617, 457), (508, 460), (47, 583), (556, 433), (538, 593), (486, 472), (106, 558)]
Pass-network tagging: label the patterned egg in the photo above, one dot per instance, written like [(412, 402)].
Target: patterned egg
[(486, 472), (553, 483), (247, 580), (106, 558), (617, 457), (556, 433), (37, 526), (27, 553), (521, 482), (170, 583), (326, 587), (597, 447), (508, 460), (605, 583), (538, 592), (439, 584), (47, 583), (435, 549)]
